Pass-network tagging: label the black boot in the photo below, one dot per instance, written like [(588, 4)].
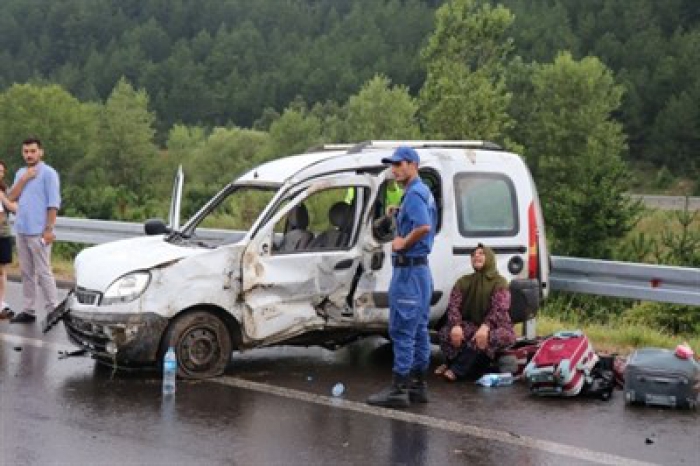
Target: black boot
[(396, 396), (418, 388)]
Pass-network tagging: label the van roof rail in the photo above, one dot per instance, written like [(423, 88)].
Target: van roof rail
[(342, 146), (387, 144)]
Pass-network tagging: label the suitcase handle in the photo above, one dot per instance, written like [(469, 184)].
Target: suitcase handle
[(564, 334), (662, 380)]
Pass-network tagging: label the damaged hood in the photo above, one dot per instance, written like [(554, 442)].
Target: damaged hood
[(97, 267)]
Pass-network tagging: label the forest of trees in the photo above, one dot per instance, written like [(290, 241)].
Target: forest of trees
[(123, 91), (223, 62)]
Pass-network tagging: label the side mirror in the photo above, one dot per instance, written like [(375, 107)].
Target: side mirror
[(384, 228), (155, 226)]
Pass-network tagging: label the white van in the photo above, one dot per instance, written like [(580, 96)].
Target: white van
[(289, 253)]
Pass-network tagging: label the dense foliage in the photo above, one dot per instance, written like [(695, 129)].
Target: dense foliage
[(223, 62), (122, 92)]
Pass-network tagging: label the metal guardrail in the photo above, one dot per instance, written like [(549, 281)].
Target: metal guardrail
[(83, 230), (647, 282), (680, 285), (668, 202)]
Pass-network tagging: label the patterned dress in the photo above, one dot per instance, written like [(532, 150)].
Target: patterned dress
[(497, 318)]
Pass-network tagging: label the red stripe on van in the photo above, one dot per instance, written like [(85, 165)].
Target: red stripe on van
[(533, 236)]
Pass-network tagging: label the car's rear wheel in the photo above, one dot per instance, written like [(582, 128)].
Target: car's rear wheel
[(202, 344)]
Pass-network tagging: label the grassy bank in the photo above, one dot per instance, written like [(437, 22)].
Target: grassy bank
[(617, 338), (62, 268)]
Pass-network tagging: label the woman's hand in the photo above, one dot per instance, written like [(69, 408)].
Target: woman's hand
[(481, 337), (457, 336)]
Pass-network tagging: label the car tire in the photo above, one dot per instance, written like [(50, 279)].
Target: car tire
[(202, 344)]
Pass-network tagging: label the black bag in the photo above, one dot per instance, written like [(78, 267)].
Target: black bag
[(602, 379)]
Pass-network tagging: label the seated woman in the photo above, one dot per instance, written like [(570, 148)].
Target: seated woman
[(478, 319)]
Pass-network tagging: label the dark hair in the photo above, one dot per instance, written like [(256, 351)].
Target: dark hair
[(3, 186), (32, 140)]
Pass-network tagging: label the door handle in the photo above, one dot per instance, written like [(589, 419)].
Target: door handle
[(344, 264)]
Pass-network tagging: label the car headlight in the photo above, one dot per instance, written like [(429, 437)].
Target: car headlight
[(126, 288)]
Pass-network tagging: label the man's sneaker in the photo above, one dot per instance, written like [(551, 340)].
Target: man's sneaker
[(23, 318), (7, 313)]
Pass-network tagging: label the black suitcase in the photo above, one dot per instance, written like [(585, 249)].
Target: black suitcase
[(656, 376)]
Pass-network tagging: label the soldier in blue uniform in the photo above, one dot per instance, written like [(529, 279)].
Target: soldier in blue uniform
[(411, 285)]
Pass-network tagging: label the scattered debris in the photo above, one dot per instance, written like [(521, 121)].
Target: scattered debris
[(68, 354)]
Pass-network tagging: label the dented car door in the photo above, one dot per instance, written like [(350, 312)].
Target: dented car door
[(290, 288)]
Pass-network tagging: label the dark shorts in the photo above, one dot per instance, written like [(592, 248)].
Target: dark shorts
[(5, 249)]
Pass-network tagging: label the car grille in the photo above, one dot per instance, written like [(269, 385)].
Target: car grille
[(89, 297), (86, 335)]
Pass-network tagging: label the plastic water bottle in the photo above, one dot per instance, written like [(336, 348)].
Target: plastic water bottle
[(169, 372), (338, 389), (496, 380)]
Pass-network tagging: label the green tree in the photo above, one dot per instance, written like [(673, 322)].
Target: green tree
[(576, 149), (226, 154), (295, 131), (465, 94), (211, 161), (65, 126), (127, 155), (379, 111)]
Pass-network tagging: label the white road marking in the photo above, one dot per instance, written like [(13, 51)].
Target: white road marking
[(432, 422)]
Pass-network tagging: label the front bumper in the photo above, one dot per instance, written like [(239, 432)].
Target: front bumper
[(128, 339)]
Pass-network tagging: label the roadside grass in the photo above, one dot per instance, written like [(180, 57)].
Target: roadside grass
[(654, 222), (62, 268), (616, 337)]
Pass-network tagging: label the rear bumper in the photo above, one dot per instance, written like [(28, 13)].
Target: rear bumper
[(128, 339)]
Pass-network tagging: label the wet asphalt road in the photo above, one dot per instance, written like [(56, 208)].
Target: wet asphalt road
[(274, 407)]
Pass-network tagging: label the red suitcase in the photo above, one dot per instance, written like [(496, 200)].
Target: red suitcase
[(514, 358), (562, 365)]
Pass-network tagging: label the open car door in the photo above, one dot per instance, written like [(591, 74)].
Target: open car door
[(176, 200), (290, 291)]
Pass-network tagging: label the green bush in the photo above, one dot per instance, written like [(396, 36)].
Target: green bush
[(664, 178), (585, 308), (670, 318)]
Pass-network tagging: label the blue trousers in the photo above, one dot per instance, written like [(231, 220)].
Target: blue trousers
[(409, 303)]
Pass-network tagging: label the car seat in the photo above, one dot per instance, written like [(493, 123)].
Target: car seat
[(297, 236), (338, 235)]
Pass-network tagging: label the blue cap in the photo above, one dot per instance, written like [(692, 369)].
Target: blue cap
[(406, 153)]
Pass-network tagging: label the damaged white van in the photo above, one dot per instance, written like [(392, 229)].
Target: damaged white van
[(291, 253)]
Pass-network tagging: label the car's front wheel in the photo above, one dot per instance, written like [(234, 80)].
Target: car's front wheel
[(201, 342)]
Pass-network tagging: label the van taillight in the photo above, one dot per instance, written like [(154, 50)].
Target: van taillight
[(532, 255)]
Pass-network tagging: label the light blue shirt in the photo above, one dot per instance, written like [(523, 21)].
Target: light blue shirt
[(39, 194)]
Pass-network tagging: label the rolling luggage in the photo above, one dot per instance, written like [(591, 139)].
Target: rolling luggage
[(562, 365), (656, 376)]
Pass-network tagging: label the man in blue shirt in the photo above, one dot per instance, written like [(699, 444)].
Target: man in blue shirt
[(37, 189), (411, 285)]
